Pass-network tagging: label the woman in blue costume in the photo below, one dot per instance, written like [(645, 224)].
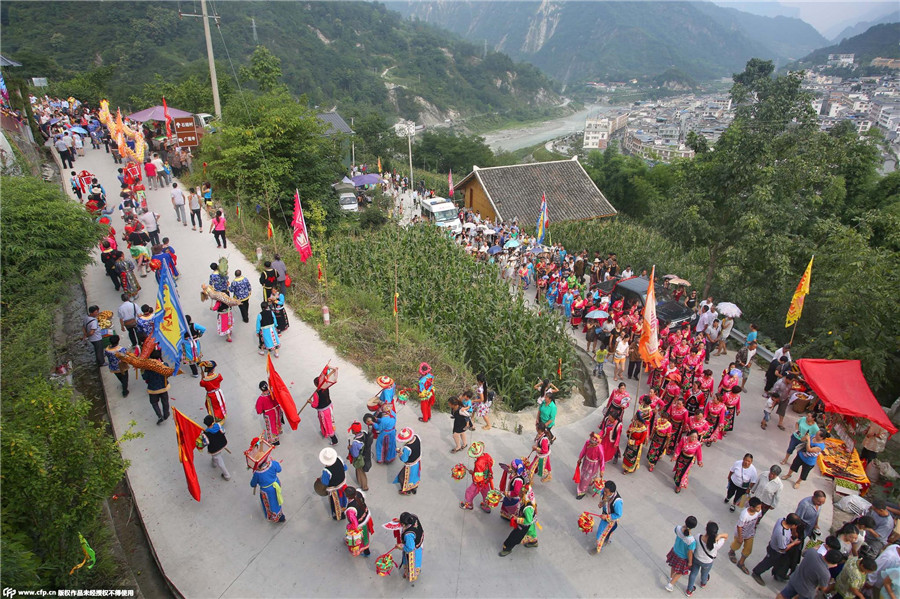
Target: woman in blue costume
[(411, 540), (266, 476), (386, 427), (411, 454), (266, 331)]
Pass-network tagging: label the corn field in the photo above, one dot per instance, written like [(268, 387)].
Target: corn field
[(462, 304)]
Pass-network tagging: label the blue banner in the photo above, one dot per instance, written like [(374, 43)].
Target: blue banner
[(170, 324)]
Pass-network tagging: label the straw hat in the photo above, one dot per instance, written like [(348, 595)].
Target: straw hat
[(405, 435), (328, 456), (476, 449), (385, 382)]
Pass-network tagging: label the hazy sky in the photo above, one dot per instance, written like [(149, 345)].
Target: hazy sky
[(828, 17)]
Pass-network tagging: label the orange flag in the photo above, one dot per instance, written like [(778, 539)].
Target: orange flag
[(796, 308), (269, 232), (282, 395), (187, 431), (648, 346)]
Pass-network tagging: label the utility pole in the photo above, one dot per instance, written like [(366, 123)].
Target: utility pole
[(255, 37), (352, 145), (217, 104), (410, 129)]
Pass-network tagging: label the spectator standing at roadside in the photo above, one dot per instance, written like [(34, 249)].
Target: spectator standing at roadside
[(811, 575), (162, 178), (743, 359), (150, 171), (705, 554), (178, 203), (150, 220), (281, 270), (745, 532), (780, 543), (128, 314), (740, 478), (91, 328), (768, 490), (711, 334), (65, 155), (703, 321)]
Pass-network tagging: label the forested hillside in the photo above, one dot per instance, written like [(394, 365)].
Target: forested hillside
[(575, 41), (345, 54), (877, 41)]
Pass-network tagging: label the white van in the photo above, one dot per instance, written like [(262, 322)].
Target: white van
[(443, 213), (348, 202)]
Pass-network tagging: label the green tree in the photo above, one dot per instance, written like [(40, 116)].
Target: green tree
[(264, 69), (442, 150)]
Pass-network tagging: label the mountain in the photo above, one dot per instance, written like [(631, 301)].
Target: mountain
[(356, 55), (854, 30), (880, 40), (574, 41)]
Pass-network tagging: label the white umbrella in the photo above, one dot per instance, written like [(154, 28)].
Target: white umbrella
[(469, 226), (728, 309)]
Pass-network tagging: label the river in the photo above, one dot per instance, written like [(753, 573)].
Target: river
[(522, 137)]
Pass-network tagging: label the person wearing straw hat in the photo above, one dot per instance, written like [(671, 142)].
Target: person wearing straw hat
[(211, 382), (387, 393), (426, 391), (334, 477), (482, 477), (411, 454), (265, 474)]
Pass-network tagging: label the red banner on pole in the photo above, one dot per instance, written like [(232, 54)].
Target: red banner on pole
[(301, 237), (168, 120), (282, 395), (187, 431)]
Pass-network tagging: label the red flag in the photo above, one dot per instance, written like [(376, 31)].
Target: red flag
[(282, 395), (450, 182), (559, 369), (187, 431), (269, 232), (648, 346), (396, 297), (301, 238), (168, 120), (320, 272)]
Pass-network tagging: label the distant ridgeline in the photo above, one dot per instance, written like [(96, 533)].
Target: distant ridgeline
[(353, 55), (879, 41), (579, 41)]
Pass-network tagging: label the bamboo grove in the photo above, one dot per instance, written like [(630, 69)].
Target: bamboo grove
[(462, 304)]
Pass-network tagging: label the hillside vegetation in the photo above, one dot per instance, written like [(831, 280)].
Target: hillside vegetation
[(353, 55), (877, 41), (576, 41)]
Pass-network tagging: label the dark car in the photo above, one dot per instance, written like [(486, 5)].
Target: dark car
[(634, 290)]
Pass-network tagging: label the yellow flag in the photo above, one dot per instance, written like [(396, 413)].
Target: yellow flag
[(796, 308)]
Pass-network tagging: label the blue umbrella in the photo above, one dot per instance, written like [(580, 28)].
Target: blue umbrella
[(54, 121), (78, 130), (512, 243), (596, 314), (494, 249)]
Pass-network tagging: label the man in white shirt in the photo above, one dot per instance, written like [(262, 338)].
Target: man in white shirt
[(627, 273), (768, 490), (785, 350), (151, 226), (741, 477), (161, 178), (128, 314), (704, 320), (711, 338)]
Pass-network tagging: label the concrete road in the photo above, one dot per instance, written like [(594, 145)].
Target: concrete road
[(224, 547)]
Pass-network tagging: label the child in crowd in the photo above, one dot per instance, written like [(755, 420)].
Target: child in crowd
[(599, 360), (767, 410), (466, 400)]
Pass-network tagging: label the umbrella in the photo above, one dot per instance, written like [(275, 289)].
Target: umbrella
[(54, 121), (728, 309), (512, 243), (369, 179), (671, 277), (596, 314), (78, 130), (488, 232), (494, 249), (469, 226), (679, 281)]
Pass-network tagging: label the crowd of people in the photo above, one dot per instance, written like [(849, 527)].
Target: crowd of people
[(683, 411)]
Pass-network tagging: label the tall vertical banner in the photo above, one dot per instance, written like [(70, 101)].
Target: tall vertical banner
[(169, 322), (802, 291), (543, 220), (301, 237), (168, 120), (450, 182), (648, 346), (186, 432)]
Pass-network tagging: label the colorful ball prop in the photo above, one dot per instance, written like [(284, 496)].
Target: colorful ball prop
[(458, 472), (155, 264), (596, 486), (493, 498), (354, 538), (403, 397), (384, 564), (586, 523)]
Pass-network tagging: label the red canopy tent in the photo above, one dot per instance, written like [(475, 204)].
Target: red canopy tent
[(840, 384)]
